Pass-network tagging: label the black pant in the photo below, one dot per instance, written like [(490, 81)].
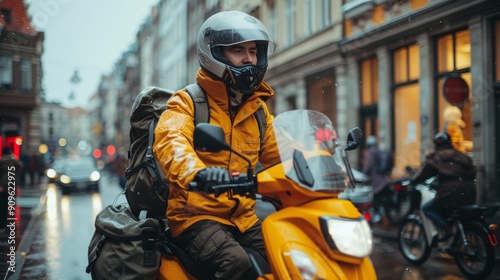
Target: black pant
[(218, 248)]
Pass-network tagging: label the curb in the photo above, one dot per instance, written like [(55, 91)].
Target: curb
[(27, 239)]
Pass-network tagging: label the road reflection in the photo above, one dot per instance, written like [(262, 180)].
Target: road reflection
[(59, 250), (96, 204), (52, 234)]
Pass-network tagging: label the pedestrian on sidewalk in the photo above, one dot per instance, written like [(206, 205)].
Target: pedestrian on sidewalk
[(378, 180), (33, 167), (9, 175)]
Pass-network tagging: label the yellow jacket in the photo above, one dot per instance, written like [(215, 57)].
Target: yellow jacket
[(174, 150)]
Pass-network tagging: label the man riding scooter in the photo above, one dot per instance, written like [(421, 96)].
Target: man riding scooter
[(232, 49), (456, 173)]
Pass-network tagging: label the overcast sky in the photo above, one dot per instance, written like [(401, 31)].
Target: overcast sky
[(85, 35)]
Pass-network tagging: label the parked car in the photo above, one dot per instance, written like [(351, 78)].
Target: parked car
[(79, 174)]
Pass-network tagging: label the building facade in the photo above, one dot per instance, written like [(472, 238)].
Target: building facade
[(402, 54), (382, 65), (21, 48)]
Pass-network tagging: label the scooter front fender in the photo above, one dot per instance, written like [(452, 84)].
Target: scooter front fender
[(297, 230)]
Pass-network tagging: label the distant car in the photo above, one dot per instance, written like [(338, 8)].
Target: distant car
[(54, 169), (79, 174)]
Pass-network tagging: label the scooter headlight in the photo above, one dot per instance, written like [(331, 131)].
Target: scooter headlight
[(352, 237), (303, 264)]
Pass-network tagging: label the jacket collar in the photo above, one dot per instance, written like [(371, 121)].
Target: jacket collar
[(217, 90)]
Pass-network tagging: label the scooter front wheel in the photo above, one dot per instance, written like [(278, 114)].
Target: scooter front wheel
[(412, 241), (476, 259)]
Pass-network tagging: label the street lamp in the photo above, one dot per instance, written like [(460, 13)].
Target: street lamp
[(75, 79)]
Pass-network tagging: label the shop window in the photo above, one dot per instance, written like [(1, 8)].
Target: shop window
[(25, 74), (5, 72), (406, 64), (369, 97), (407, 126), (406, 69), (369, 81), (453, 51), (454, 57)]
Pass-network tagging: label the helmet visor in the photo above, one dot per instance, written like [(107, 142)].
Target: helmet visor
[(228, 37)]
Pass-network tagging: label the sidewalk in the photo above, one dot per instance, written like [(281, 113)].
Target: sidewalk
[(15, 240), (389, 231)]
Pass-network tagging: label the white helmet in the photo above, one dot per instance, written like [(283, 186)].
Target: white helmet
[(228, 28)]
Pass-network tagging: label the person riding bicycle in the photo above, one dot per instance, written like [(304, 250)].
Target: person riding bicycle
[(214, 230), (456, 173)]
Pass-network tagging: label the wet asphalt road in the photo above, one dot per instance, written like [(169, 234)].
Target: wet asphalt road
[(58, 249)]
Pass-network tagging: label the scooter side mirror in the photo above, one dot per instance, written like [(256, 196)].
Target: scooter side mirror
[(210, 138), (354, 138)]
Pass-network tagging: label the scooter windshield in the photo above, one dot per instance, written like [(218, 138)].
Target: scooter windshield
[(310, 150)]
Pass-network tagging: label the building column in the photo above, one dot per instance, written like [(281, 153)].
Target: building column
[(427, 94), (384, 99), (347, 91), (483, 124)]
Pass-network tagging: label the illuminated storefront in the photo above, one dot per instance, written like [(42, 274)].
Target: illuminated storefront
[(417, 61)]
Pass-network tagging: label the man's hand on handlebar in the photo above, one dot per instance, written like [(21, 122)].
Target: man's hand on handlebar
[(210, 176)]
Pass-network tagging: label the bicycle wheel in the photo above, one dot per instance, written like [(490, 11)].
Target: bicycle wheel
[(412, 241), (476, 259)]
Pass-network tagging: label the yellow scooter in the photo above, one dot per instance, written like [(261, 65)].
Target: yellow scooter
[(313, 234)]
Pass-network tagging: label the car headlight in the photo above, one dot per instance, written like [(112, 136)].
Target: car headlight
[(51, 173), (352, 237), (94, 176), (65, 179)]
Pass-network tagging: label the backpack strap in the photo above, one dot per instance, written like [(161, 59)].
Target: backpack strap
[(202, 109), (150, 163)]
